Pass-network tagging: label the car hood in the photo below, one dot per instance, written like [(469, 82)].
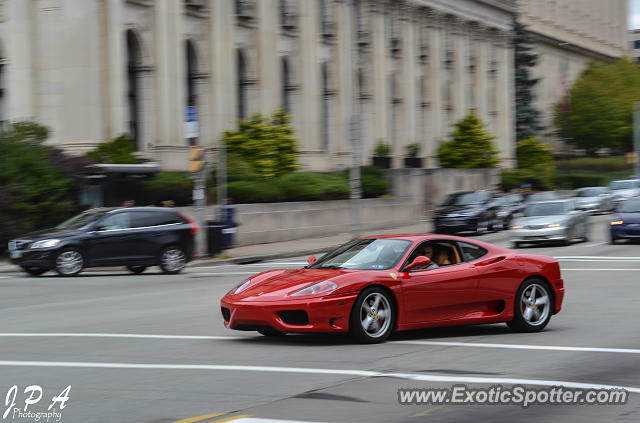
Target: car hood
[(629, 217), (49, 233), (583, 200), (625, 192), (457, 209), (541, 220), (278, 284)]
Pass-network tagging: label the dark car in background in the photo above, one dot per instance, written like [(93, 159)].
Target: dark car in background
[(466, 211), (508, 206), (625, 223), (136, 237)]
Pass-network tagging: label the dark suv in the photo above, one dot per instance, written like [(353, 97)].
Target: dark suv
[(136, 237), (466, 211)]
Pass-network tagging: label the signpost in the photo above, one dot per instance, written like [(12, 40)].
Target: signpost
[(198, 168), (636, 137)]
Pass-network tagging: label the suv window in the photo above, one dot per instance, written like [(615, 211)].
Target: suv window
[(141, 219), (471, 252), (116, 221)]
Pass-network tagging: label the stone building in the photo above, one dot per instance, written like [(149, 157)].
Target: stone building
[(634, 44), (569, 34), (395, 70)]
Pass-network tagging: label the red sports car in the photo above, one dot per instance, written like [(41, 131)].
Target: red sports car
[(374, 285)]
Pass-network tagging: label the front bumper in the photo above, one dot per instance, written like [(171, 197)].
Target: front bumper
[(538, 235), (325, 314), (626, 231), (40, 257)]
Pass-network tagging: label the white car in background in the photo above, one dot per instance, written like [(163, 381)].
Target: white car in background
[(624, 189)]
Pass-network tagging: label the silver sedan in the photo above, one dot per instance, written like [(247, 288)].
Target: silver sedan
[(594, 199), (550, 221)]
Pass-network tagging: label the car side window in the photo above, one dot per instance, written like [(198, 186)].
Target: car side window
[(116, 221), (471, 252), (443, 253), (142, 219)]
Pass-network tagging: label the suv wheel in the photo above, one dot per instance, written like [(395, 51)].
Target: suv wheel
[(69, 262), (172, 260)]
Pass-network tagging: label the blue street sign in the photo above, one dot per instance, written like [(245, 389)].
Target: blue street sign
[(190, 114)]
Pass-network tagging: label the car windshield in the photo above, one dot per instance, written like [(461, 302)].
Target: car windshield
[(507, 200), (540, 196), (629, 206), (365, 254), (81, 220), (465, 198), (544, 209), (621, 185), (590, 192)]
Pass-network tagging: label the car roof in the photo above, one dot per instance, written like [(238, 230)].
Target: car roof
[(142, 208), (559, 200)]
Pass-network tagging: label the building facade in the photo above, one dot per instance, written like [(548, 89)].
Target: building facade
[(634, 44), (569, 34), (396, 71)]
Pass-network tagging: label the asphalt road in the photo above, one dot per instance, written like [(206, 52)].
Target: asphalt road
[(152, 348)]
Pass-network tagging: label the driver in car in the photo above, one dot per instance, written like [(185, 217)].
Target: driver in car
[(425, 250)]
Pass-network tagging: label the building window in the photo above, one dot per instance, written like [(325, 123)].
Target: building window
[(324, 110), (327, 27), (194, 4), (287, 15), (134, 62), (192, 66), (245, 10), (243, 85), (287, 87), (3, 96), (636, 44)]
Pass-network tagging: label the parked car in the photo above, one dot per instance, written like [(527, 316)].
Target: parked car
[(625, 223), (594, 199), (373, 286), (465, 211), (136, 237), (624, 189), (507, 207), (548, 221)]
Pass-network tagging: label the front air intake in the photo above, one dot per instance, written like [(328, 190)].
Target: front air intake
[(294, 317)]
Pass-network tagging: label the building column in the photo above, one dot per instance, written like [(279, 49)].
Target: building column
[(409, 82), (346, 64), (505, 101), (223, 63), (459, 80), (438, 127), (268, 66), (380, 82), (481, 74), (20, 58)]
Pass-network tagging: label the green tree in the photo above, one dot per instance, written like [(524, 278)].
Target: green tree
[(33, 192), (527, 116), (268, 144), (535, 159), (120, 150), (598, 109), (471, 145)]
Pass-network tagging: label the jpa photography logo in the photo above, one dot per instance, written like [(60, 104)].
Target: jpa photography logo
[(24, 405)]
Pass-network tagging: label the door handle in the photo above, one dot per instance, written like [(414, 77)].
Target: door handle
[(490, 261)]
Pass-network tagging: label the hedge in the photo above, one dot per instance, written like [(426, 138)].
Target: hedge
[(174, 186), (594, 164)]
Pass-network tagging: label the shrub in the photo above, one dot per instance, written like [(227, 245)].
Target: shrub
[(266, 143), (471, 145), (120, 150), (579, 180), (382, 149), (306, 186), (373, 186), (174, 186), (595, 164), (254, 192), (511, 179), (413, 150), (535, 160)]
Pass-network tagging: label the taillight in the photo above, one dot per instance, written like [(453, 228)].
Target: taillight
[(194, 226)]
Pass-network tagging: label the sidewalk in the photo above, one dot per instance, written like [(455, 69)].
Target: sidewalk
[(276, 250)]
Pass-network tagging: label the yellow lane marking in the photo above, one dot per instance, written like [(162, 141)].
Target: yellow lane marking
[(428, 411), (228, 419), (199, 418)]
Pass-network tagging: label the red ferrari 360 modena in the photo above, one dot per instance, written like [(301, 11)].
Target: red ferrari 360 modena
[(372, 286)]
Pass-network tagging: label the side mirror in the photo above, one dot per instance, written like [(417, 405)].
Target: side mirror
[(420, 261), (312, 259)]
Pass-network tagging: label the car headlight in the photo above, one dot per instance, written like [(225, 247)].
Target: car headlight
[(517, 227), (316, 288), (45, 243), (241, 287), (554, 225), (471, 213), (617, 222), (503, 213)]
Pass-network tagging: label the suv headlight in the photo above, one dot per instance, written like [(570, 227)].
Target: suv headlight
[(45, 243), (316, 288)]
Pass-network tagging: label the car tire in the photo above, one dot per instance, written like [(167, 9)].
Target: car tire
[(613, 240), (366, 310), (136, 270), (173, 260), (69, 262), (271, 333), (527, 315), (35, 271)]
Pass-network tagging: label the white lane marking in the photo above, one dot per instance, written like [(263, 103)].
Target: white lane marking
[(221, 273), (317, 371), (278, 264), (566, 258), (227, 338), (259, 420), (521, 347), (597, 244), (115, 335), (600, 270), (5, 277)]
